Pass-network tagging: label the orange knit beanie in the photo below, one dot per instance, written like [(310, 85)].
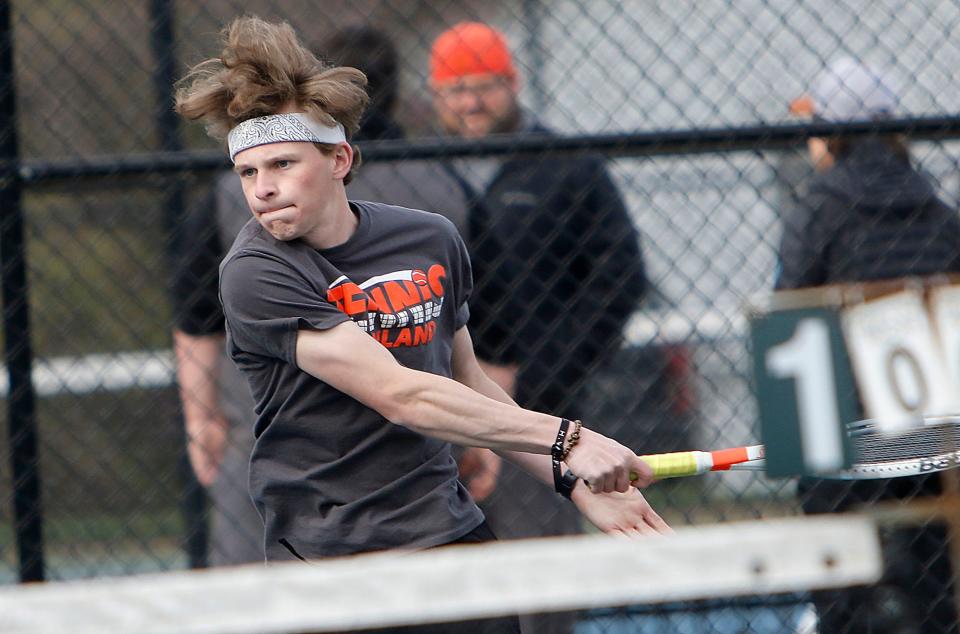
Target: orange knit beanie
[(469, 48)]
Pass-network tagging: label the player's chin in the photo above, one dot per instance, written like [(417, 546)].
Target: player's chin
[(282, 231)]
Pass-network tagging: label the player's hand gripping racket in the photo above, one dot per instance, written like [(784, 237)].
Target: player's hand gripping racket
[(678, 464)]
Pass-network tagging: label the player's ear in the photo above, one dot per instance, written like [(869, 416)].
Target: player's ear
[(342, 160)]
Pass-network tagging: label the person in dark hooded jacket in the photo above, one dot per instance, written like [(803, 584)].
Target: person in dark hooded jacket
[(871, 215)]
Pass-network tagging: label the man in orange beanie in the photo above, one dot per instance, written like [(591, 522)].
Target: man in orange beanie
[(557, 266), (472, 74)]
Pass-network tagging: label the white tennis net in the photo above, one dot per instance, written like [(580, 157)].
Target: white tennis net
[(450, 584)]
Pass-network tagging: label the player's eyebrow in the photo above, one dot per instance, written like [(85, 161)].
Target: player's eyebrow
[(283, 156)]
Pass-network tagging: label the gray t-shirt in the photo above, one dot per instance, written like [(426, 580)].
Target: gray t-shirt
[(329, 475)]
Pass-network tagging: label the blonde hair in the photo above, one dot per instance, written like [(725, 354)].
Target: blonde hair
[(262, 69)]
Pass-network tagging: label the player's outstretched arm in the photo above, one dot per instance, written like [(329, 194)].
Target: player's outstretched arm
[(353, 362)]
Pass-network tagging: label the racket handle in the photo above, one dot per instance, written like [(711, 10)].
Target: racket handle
[(677, 464)]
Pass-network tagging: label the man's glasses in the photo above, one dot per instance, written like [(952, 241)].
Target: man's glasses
[(475, 89)]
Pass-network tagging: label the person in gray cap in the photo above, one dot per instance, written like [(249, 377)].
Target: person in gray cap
[(871, 215)]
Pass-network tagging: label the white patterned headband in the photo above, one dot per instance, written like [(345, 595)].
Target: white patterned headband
[(277, 128)]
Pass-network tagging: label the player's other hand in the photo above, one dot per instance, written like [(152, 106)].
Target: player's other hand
[(606, 465), (616, 513)]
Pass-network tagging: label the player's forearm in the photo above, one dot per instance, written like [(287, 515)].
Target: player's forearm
[(451, 411), (448, 410), (540, 467)]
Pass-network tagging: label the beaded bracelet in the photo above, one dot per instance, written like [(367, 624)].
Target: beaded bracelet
[(574, 437)]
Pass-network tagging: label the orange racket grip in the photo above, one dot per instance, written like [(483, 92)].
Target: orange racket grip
[(723, 459)]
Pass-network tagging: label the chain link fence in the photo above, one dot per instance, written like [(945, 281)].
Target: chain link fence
[(688, 103)]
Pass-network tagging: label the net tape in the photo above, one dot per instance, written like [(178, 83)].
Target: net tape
[(450, 584)]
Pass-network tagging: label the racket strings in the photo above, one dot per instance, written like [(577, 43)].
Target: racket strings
[(874, 447)]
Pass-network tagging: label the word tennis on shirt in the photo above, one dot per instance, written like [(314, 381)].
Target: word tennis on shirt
[(398, 308)]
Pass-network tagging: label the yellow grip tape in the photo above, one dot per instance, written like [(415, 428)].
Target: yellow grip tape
[(672, 465)]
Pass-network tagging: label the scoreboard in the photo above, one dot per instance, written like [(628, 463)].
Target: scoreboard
[(824, 357)]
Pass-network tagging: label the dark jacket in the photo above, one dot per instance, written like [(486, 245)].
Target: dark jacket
[(872, 216), (558, 271)]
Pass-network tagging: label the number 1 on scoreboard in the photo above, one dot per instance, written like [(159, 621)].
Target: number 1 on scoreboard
[(805, 358), (805, 390)]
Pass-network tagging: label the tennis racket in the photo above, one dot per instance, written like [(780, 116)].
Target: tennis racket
[(932, 445)]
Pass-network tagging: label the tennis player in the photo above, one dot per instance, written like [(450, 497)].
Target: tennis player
[(349, 321)]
